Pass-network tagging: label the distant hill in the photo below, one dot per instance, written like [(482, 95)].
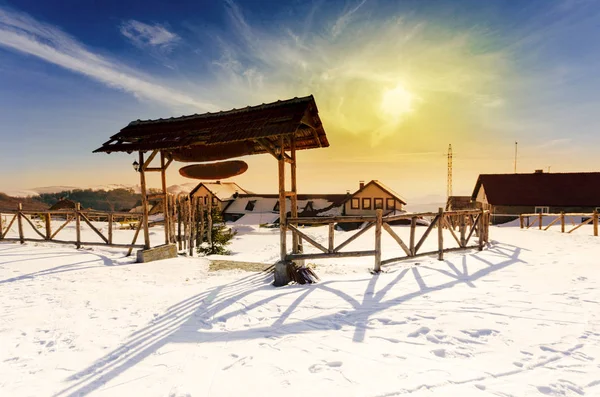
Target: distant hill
[(32, 204)]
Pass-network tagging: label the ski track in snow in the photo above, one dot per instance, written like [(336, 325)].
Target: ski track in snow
[(518, 319)]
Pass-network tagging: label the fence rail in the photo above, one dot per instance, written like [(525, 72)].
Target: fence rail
[(471, 222), (559, 217), (26, 217)]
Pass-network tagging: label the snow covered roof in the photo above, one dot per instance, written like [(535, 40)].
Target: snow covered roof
[(263, 203), (551, 189), (384, 188), (224, 191)]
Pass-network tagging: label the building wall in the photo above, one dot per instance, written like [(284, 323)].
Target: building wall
[(207, 195), (371, 192)]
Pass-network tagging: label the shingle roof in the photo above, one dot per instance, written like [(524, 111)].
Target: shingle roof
[(459, 203), (541, 189), (222, 190), (297, 116)]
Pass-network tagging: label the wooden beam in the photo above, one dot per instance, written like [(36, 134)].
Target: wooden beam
[(331, 235), (110, 229), (47, 218), (75, 243), (33, 227), (413, 231), (86, 220), (69, 219), (135, 236), (146, 164), (354, 237), (9, 225), (331, 255), (391, 232), (153, 169), (294, 193), (595, 218), (440, 235), (145, 198), (403, 258), (165, 201), (322, 220), (427, 231), (581, 224), (268, 147), (474, 227), (78, 223), (308, 238), (378, 223), (452, 231), (282, 202), (20, 222), (552, 223)]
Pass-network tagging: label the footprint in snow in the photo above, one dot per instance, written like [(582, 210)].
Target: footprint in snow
[(420, 331), (320, 367)]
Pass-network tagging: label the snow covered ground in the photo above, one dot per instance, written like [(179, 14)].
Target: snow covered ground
[(521, 318)]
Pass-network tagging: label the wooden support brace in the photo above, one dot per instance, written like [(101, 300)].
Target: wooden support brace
[(391, 232)]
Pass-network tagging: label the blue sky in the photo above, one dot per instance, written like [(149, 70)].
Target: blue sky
[(477, 74)]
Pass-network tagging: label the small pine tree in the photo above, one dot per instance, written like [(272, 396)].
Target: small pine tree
[(220, 234)]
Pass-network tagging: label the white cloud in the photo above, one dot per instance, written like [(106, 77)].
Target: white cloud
[(144, 35), (21, 33)]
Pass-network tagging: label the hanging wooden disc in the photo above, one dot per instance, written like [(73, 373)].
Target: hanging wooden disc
[(222, 170)]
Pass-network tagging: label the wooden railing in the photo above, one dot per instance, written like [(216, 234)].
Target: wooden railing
[(77, 215), (471, 222), (560, 217)]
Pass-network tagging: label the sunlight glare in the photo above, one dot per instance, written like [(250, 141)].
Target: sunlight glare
[(396, 102)]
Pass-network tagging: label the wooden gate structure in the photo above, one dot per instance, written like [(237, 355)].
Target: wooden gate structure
[(274, 128)]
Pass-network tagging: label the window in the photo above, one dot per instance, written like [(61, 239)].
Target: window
[(355, 204), (542, 210), (205, 200), (390, 203), (250, 205), (378, 203), (366, 203), (309, 206), (214, 201)]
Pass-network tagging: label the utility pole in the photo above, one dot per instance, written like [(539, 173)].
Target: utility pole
[(515, 157), (449, 187)]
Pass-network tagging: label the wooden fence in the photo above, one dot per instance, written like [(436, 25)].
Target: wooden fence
[(526, 223), (471, 222)]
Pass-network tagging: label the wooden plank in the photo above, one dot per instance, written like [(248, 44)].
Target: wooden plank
[(69, 219), (33, 227), (308, 238), (201, 221), (209, 221), (86, 220), (480, 228), (413, 232), (47, 218), (532, 223), (391, 232), (540, 221), (552, 223), (452, 231), (1, 227), (165, 200), (440, 235), (146, 164), (521, 221), (179, 220), (463, 229), (595, 218), (20, 223), (474, 227), (135, 236), (9, 225), (402, 258), (294, 193), (581, 224), (378, 223), (78, 223), (165, 251), (562, 222), (145, 197), (330, 255), (75, 243), (110, 228), (191, 215), (435, 221), (268, 147), (322, 220), (354, 237), (331, 237), (282, 203)]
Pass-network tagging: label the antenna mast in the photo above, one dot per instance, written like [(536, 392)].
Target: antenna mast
[(449, 188)]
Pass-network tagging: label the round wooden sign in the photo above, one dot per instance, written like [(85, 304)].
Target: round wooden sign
[(222, 170)]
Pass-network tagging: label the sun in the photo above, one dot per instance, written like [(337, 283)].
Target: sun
[(396, 102)]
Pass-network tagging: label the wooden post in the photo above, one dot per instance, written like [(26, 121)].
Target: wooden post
[(463, 229), (294, 197), (201, 220), (331, 233), (282, 209), (20, 223), (1, 228), (163, 177), (185, 220), (191, 216), (440, 234), (198, 222), (595, 215), (209, 220), (480, 228), (413, 230), (179, 216), (540, 221), (378, 225), (48, 225), (521, 221), (78, 223), (562, 221), (144, 201), (110, 229)]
